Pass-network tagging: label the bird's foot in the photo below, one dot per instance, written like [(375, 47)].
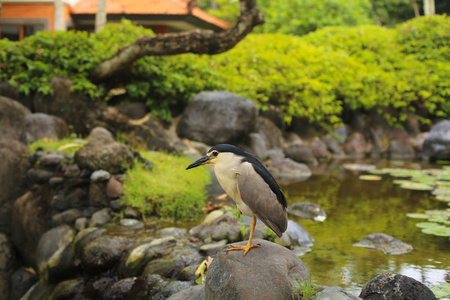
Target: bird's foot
[(246, 248)]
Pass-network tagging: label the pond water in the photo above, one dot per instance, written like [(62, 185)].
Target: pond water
[(356, 208)]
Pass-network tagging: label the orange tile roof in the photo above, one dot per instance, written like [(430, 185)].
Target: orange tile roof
[(147, 7)]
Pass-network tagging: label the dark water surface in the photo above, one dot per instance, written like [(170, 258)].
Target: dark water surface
[(356, 208)]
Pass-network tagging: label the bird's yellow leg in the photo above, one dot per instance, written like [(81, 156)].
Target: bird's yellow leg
[(249, 245)]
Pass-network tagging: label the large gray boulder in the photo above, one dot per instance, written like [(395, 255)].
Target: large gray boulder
[(390, 286), (38, 126), (13, 166), (267, 272), (218, 117), (12, 116), (7, 265), (437, 142)]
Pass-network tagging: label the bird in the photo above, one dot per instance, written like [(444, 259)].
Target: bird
[(250, 185)]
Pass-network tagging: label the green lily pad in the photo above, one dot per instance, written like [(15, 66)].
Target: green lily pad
[(358, 167), (370, 177), (378, 171), (445, 198), (445, 213), (418, 216), (416, 186), (440, 190), (424, 179), (437, 219), (400, 181), (426, 224), (438, 230)]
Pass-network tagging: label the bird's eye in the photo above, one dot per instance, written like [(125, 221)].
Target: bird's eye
[(215, 153)]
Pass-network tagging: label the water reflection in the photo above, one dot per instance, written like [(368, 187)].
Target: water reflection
[(356, 208)]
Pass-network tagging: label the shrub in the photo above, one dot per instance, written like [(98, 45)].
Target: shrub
[(167, 191)]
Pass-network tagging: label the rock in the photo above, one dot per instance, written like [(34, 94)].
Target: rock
[(417, 142), (217, 117), (29, 219), (95, 289), (103, 153), (81, 223), (12, 118), (13, 167), (21, 281), (334, 293), (39, 290), (211, 248), (437, 143), (135, 110), (188, 273), (399, 146), (287, 169), (55, 181), (385, 243), (300, 153), (84, 237), (51, 161), (131, 223), (170, 265), (267, 272), (119, 289), (332, 144), (10, 91), (114, 188), (54, 255), (257, 146), (62, 103), (38, 175), (172, 232), (7, 265), (39, 126), (155, 287), (153, 136), (100, 132), (227, 222), (212, 216), (271, 133), (395, 286), (276, 155), (71, 170), (131, 213), (196, 292), (97, 195), (100, 176), (69, 289), (299, 236), (102, 252), (135, 261), (66, 217), (100, 218), (319, 149), (307, 210), (356, 145)]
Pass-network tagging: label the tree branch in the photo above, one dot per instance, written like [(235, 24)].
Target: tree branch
[(198, 41)]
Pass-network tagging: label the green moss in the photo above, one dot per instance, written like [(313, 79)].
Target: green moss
[(168, 191), (66, 145)]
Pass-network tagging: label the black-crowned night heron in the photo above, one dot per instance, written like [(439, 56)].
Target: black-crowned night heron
[(250, 185)]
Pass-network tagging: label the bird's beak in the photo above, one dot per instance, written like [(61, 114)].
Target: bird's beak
[(199, 162)]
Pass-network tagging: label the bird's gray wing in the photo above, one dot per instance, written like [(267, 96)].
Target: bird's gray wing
[(258, 196)]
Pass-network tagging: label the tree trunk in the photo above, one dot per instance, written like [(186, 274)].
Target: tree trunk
[(428, 7), (416, 8), (198, 42), (59, 16), (100, 16)]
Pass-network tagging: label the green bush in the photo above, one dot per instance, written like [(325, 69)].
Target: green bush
[(167, 191)]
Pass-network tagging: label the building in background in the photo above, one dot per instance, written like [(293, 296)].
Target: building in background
[(21, 18)]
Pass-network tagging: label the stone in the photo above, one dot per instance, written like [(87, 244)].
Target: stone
[(172, 232), (29, 223), (12, 92), (100, 132), (391, 286), (218, 117), (155, 287), (12, 117), (71, 170), (39, 126), (66, 217), (69, 289), (100, 175), (257, 146), (153, 136), (13, 167), (287, 169), (106, 154), (100, 218), (8, 262), (131, 213), (385, 243), (21, 281), (332, 144), (307, 210), (55, 181), (212, 216), (119, 289), (271, 133), (95, 289), (356, 145), (400, 146), (54, 254), (319, 149), (437, 143), (114, 188), (38, 175), (300, 153), (412, 124), (134, 110), (131, 223), (196, 292), (97, 195), (63, 103), (211, 248), (51, 160), (267, 272), (102, 252), (335, 293), (299, 236), (81, 223)]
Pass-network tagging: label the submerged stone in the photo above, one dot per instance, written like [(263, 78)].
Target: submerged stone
[(385, 243)]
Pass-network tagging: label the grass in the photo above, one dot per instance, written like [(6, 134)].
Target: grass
[(66, 145), (168, 191), (305, 291)]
